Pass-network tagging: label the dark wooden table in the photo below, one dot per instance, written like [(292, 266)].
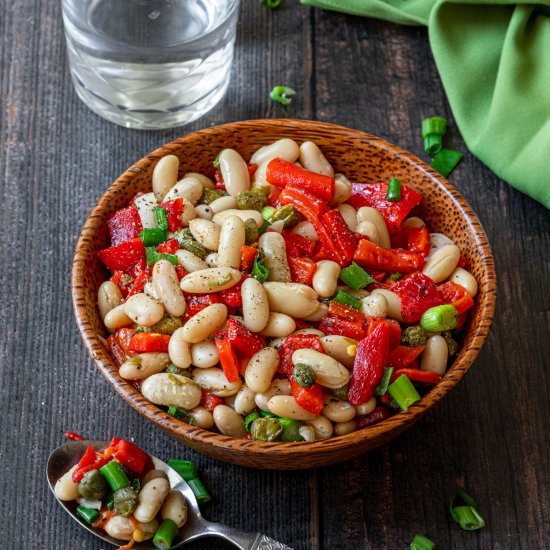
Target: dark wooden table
[(56, 160)]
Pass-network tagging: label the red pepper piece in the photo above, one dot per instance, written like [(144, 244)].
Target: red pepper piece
[(310, 399), (370, 361), (124, 225), (228, 359), (301, 269), (391, 260), (218, 178), (139, 282), (251, 169), (232, 297), (210, 401), (311, 207), (462, 305), (343, 238), (130, 455), (198, 302), (402, 356), (245, 342), (379, 414), (273, 197), (174, 210), (393, 327), (248, 254), (124, 336), (72, 436), (418, 240), (417, 293), (128, 257), (458, 296), (145, 342), (281, 173), (342, 327), (291, 344), (374, 195), (89, 457), (463, 262), (345, 312), (417, 375), (180, 272), (123, 281), (149, 465), (117, 353), (171, 246)]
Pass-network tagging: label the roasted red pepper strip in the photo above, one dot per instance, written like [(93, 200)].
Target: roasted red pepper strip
[(248, 254), (150, 342), (232, 297), (402, 356), (128, 257), (291, 344), (458, 296), (417, 293), (117, 353), (345, 312), (174, 209), (130, 455), (124, 225), (301, 269), (302, 245), (171, 246), (310, 399), (374, 195), (309, 206), (180, 272), (417, 375), (379, 414), (220, 184), (210, 401), (342, 327), (139, 282), (390, 260), (418, 240), (462, 305), (124, 336), (89, 457), (370, 361), (228, 359), (198, 302), (281, 173), (71, 436), (341, 235), (123, 281), (252, 169), (273, 197), (245, 342), (393, 327)]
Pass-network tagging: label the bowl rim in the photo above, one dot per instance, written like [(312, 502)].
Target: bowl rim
[(485, 302)]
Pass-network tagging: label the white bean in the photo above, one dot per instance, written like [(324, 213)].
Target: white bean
[(278, 387), (179, 349), (202, 417), (274, 248), (317, 315), (375, 305), (144, 365), (314, 331), (150, 499), (255, 305), (223, 203), (465, 279), (204, 354), (234, 171), (307, 432), (370, 230), (279, 325), (65, 488), (244, 401), (325, 279), (204, 323), (228, 421), (175, 508), (189, 213), (149, 289), (260, 369), (442, 263), (210, 280), (368, 214), (153, 474), (330, 373), (344, 428), (292, 299), (393, 301), (434, 357), (287, 407), (206, 232), (214, 381), (212, 259), (306, 229), (349, 214), (285, 148), (204, 212), (232, 239), (165, 175), (336, 346), (171, 389), (313, 159), (342, 189), (117, 318), (337, 410), (437, 241), (108, 297), (189, 188), (165, 281), (322, 426), (120, 527), (367, 407), (189, 261), (206, 182), (220, 217), (143, 309), (413, 221), (146, 207), (230, 400)]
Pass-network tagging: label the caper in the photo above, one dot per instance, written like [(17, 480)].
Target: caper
[(452, 344), (414, 336), (210, 195), (304, 375), (286, 213), (251, 200), (167, 325), (125, 501), (291, 430), (251, 231), (93, 485), (341, 393), (172, 369), (188, 242), (266, 429)]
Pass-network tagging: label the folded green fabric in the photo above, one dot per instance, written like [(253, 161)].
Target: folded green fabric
[(493, 57)]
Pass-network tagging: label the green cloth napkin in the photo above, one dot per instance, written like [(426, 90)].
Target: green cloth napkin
[(493, 57)]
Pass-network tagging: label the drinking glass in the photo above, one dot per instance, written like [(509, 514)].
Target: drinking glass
[(150, 64)]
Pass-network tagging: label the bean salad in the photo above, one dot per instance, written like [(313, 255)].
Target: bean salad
[(278, 301)]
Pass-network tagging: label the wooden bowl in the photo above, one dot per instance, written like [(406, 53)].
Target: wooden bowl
[(362, 158)]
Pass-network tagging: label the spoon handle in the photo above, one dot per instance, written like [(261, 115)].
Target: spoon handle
[(244, 540)]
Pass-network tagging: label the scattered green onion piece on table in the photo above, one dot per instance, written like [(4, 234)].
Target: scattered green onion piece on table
[(249, 419), (272, 4), (152, 236), (347, 299), (185, 468), (439, 318), (259, 270), (433, 144), (394, 190), (180, 414), (165, 534), (403, 392), (89, 515), (160, 218), (433, 130), (115, 476), (446, 161), (464, 511), (282, 95), (382, 387), (421, 542), (201, 494), (356, 277), (267, 212)]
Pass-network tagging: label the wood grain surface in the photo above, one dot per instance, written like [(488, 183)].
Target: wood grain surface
[(489, 435)]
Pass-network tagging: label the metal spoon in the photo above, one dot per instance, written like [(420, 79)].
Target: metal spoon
[(66, 456)]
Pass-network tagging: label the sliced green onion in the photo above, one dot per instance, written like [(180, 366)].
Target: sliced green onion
[(446, 161), (268, 414), (464, 511), (356, 277), (433, 130), (421, 542), (271, 4), (152, 236), (382, 387), (89, 515), (172, 258), (160, 218), (282, 95), (394, 190), (439, 318), (185, 468), (165, 534), (267, 212), (109, 500), (347, 299), (433, 144), (115, 476), (249, 418), (291, 430), (180, 414), (264, 227), (396, 276), (216, 162), (403, 392), (152, 256), (136, 485), (259, 270), (201, 494)]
